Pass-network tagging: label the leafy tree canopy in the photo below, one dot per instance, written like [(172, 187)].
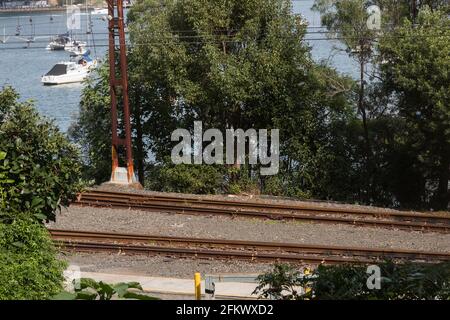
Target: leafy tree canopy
[(40, 169)]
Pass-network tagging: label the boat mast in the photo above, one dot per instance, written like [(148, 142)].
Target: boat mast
[(18, 28)]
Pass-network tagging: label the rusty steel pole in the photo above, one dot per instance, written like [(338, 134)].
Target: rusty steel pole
[(118, 82)]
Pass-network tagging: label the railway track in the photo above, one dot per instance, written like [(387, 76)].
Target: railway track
[(301, 212), (232, 249)]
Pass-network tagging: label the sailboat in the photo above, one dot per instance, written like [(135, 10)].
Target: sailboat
[(18, 27), (5, 38), (67, 41), (78, 68), (32, 38), (74, 46), (59, 42)]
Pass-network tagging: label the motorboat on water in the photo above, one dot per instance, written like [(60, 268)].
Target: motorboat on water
[(76, 70), (59, 42), (77, 50), (65, 42), (99, 11), (75, 46)]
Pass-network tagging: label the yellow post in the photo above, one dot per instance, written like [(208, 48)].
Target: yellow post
[(198, 287), (307, 272)]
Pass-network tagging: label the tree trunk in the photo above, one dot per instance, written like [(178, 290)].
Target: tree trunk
[(362, 109), (139, 142), (442, 193)]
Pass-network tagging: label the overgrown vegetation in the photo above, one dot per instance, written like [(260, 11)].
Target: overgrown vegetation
[(89, 289), (408, 281), (29, 268), (41, 168), (39, 173), (379, 139)]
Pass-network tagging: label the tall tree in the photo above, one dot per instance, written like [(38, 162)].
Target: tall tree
[(416, 68), (226, 63), (231, 64)]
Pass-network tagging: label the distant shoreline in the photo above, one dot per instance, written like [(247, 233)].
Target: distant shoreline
[(38, 9)]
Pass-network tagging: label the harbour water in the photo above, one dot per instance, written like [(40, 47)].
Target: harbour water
[(23, 67)]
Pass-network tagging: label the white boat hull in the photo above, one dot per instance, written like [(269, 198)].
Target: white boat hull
[(66, 78), (100, 12), (69, 72)]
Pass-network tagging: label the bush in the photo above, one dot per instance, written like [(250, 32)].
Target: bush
[(90, 289), (197, 179), (201, 179), (92, 130), (40, 165), (279, 284), (29, 268), (408, 281), (240, 181)]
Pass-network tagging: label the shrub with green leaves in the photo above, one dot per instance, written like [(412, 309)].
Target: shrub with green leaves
[(42, 164), (3, 180), (197, 179), (89, 289), (281, 283), (399, 281), (29, 268)]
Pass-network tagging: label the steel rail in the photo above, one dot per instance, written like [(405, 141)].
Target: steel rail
[(249, 249), (98, 194), (185, 207), (204, 253)]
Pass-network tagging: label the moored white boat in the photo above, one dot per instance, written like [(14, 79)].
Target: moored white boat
[(70, 71), (99, 11), (74, 46), (59, 42)]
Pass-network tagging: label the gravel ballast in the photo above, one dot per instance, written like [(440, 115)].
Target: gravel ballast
[(166, 224), (222, 227), (159, 266)]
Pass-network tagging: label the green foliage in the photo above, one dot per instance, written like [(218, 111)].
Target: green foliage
[(90, 289), (28, 268), (92, 131), (348, 20), (204, 179), (417, 74), (235, 65), (409, 281), (244, 64), (40, 171), (201, 179), (398, 146), (398, 281), (274, 186), (3, 181), (241, 180), (238, 64), (281, 283)]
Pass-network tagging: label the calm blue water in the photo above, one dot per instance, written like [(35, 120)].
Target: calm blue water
[(23, 68)]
